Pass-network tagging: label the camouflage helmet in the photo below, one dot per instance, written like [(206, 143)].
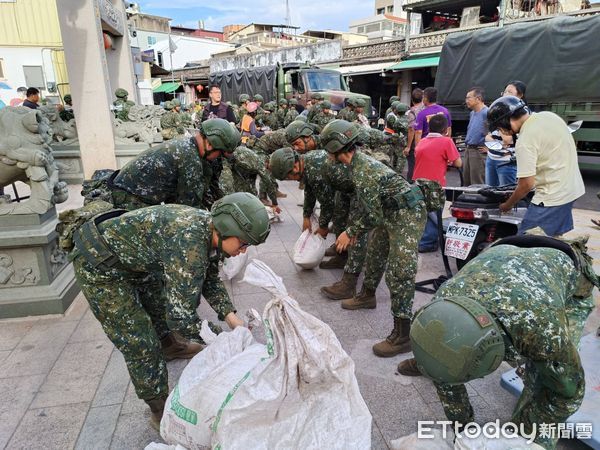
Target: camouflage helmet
[(221, 134), (400, 107), (258, 98), (283, 102), (360, 103), (316, 96), (282, 162), (121, 93), (168, 105), (301, 118), (326, 104), (394, 98), (293, 101), (455, 340), (241, 215), (269, 106), (338, 135), (243, 98), (176, 102), (351, 101), (297, 129)]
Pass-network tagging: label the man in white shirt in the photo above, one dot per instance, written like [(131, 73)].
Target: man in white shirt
[(546, 160)]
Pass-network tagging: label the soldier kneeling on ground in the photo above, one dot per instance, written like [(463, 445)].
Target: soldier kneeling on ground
[(177, 249), (526, 299)]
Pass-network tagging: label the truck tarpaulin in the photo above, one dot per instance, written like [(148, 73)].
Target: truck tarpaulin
[(557, 59), (258, 80)]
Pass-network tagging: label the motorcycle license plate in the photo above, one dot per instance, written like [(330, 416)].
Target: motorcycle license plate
[(459, 239)]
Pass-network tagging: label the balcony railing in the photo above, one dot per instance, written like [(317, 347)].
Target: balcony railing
[(376, 50), (437, 38)]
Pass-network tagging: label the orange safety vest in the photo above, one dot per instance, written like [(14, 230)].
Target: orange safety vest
[(246, 122)]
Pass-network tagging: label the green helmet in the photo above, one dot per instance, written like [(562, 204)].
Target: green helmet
[(243, 98), (168, 105), (176, 102), (293, 101), (316, 96), (455, 340), (400, 107), (269, 106), (360, 103), (241, 215), (338, 134), (282, 162), (297, 129), (221, 134), (326, 104), (283, 101), (121, 93), (394, 98), (351, 101), (301, 118), (258, 98)]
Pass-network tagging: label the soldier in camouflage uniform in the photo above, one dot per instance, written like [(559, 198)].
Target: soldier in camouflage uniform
[(178, 247), (281, 113), (374, 143), (393, 98), (291, 113), (302, 136), (170, 123), (240, 171), (396, 126), (260, 112), (527, 298), (270, 117), (122, 105), (242, 108), (179, 171), (324, 116), (347, 113), (395, 212), (315, 101)]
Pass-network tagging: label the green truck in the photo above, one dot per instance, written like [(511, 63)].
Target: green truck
[(288, 80), (558, 59)]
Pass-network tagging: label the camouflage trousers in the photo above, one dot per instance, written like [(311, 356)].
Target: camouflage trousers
[(345, 208), (392, 250), (131, 309), (553, 390)]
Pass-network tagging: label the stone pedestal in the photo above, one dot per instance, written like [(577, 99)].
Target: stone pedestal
[(68, 159), (35, 276), (127, 152)]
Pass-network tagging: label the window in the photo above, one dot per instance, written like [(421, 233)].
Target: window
[(390, 9), (159, 56), (387, 25), (34, 77), (360, 30), (380, 10), (322, 81), (372, 28), (151, 40)]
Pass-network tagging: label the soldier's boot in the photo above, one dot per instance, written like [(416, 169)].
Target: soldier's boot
[(409, 368), (397, 342), (175, 346), (331, 251), (337, 262), (364, 300), (345, 288), (157, 407)]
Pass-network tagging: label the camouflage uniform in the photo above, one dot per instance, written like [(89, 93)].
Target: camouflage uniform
[(397, 141), (290, 116), (171, 125), (375, 143), (240, 172), (541, 302), (170, 173), (171, 246), (268, 143), (321, 119), (260, 117), (312, 112), (281, 115), (396, 214), (347, 114), (317, 187)]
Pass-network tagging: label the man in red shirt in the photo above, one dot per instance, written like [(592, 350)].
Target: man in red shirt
[(433, 154)]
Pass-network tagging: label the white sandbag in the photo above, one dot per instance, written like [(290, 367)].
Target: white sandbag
[(234, 265), (297, 392), (481, 442), (309, 248)]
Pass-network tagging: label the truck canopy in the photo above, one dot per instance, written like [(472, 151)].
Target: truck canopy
[(558, 60), (258, 80)]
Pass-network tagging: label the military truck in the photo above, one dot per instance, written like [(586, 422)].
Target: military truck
[(288, 80), (556, 58)]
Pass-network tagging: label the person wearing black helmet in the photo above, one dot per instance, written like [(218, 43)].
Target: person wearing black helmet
[(546, 160)]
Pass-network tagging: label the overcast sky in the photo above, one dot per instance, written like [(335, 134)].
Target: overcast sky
[(307, 14)]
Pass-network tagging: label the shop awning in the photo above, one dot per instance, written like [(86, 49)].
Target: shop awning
[(167, 88), (416, 62), (363, 69)]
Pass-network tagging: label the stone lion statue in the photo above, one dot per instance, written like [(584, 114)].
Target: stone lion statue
[(63, 132), (25, 155), (143, 125)]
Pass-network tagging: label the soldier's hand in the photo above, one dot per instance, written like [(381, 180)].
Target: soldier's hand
[(276, 209), (343, 242), (232, 320), (406, 151), (306, 224), (323, 232)]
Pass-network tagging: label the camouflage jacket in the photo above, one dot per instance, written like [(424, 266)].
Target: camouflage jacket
[(268, 143), (180, 250), (172, 119), (338, 176), (260, 117), (281, 113), (397, 123), (270, 120), (347, 114), (312, 112), (378, 188), (290, 116), (529, 291), (170, 173), (321, 119), (240, 172), (317, 187)]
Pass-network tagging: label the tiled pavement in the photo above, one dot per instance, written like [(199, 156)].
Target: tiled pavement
[(63, 385)]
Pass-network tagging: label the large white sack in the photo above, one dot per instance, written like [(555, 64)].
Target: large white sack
[(234, 265), (309, 248), (438, 442), (297, 392)]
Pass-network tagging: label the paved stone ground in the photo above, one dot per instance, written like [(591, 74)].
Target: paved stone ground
[(63, 385)]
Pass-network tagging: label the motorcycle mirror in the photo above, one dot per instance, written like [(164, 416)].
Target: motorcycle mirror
[(494, 145), (574, 126)]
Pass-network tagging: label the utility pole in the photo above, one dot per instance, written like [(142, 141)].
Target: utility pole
[(288, 19)]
